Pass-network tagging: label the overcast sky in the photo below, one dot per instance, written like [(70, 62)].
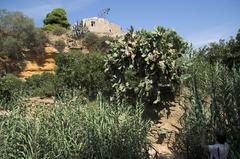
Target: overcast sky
[(197, 21)]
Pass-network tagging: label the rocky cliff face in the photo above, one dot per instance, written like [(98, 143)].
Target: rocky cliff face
[(46, 63), (37, 65)]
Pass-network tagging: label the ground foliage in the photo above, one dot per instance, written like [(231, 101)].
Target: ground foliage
[(74, 130)]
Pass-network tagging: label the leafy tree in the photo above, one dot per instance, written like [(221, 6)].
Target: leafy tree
[(57, 17), (11, 46), (141, 65), (18, 34), (226, 52)]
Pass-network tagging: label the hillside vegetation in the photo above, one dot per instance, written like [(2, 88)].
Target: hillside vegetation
[(105, 102)]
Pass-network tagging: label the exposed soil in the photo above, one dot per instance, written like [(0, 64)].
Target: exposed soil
[(163, 132)]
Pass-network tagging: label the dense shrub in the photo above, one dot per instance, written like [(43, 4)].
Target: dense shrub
[(57, 17), (60, 45), (142, 65), (96, 43), (91, 41), (103, 45), (18, 33), (10, 89), (59, 31), (75, 130), (81, 71), (41, 85), (49, 27)]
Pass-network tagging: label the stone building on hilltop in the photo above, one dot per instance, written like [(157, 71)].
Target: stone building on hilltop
[(102, 26)]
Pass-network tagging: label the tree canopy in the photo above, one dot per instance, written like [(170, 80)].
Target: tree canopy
[(225, 52), (18, 33), (57, 17)]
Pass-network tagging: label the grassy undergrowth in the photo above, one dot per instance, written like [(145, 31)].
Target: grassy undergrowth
[(74, 130)]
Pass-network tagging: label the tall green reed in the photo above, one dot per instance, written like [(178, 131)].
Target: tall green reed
[(73, 130), (213, 103)]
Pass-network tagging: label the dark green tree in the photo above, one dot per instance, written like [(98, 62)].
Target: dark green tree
[(225, 52), (57, 17), (84, 72)]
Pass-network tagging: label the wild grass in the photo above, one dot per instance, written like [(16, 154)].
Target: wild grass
[(74, 130)]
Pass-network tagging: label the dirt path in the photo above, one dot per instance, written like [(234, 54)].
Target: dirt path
[(162, 133)]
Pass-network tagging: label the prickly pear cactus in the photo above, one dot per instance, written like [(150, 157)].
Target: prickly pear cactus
[(142, 64), (79, 30)]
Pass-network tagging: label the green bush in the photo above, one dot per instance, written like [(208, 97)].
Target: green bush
[(41, 85), (59, 31), (96, 43), (10, 89), (60, 45), (50, 27), (103, 45), (91, 41), (148, 58), (57, 16), (82, 71), (75, 130)]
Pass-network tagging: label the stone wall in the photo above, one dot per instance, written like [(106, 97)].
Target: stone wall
[(102, 26)]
